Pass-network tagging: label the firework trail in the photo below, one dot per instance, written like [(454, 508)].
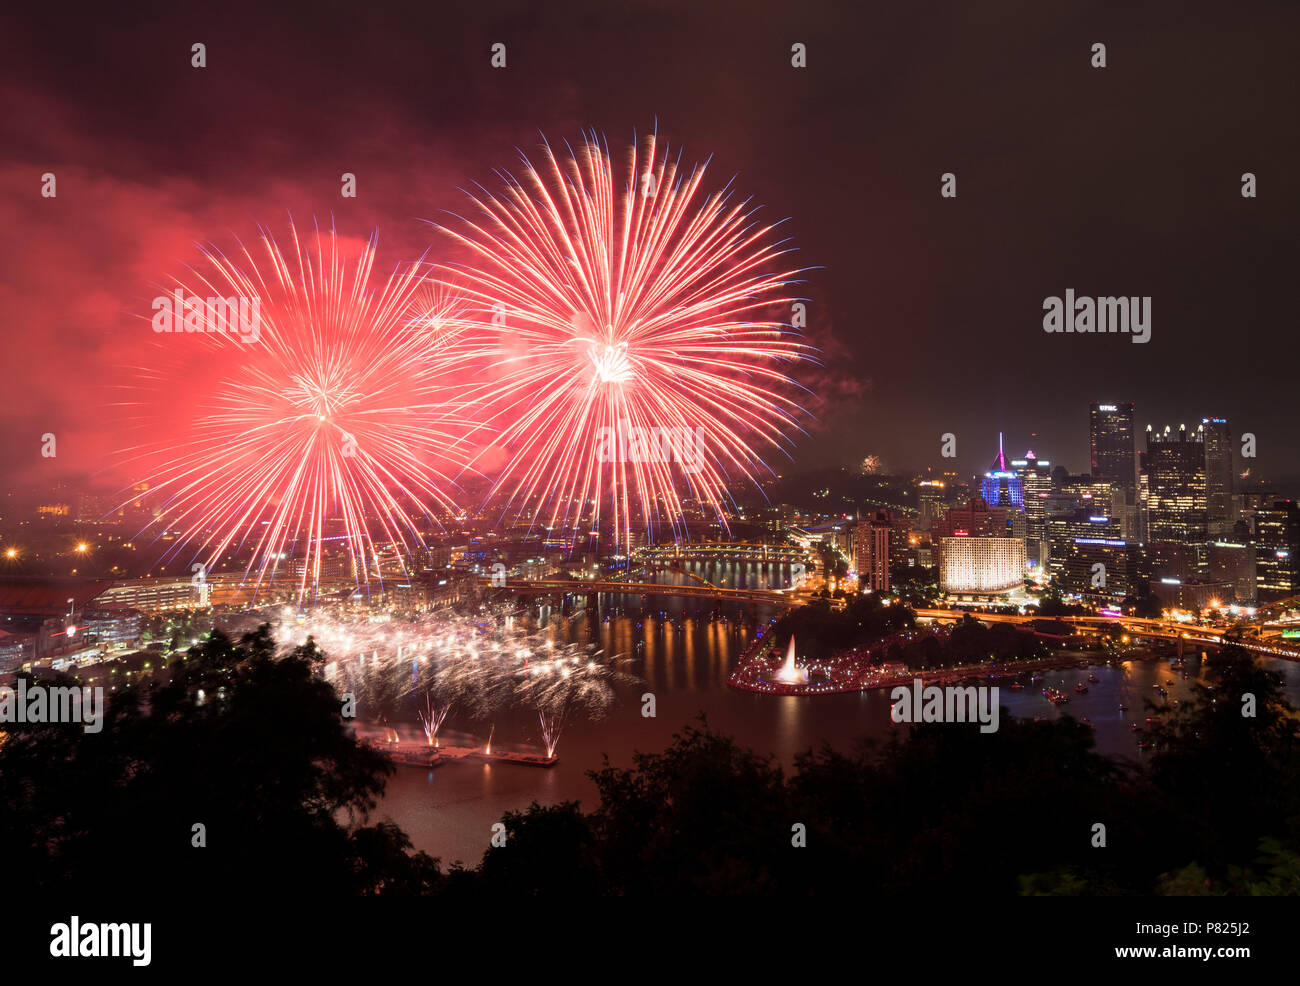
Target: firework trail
[(333, 422), (432, 718), (635, 359), (568, 684)]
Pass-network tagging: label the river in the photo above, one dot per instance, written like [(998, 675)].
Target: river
[(683, 650)]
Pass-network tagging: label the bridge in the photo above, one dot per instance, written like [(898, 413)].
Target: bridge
[(740, 550), (1278, 606), (1138, 626), (653, 566), (581, 587)]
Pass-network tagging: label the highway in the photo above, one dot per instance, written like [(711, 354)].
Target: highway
[(1138, 626)]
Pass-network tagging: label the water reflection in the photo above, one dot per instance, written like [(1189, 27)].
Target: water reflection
[(683, 650)]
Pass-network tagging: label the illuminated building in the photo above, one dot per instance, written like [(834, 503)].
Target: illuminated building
[(110, 627), (981, 565), (1090, 494), (1036, 481), (1173, 560), (1144, 505), (900, 533), (331, 567), (871, 552), (1122, 571), (1277, 546), (933, 497), (1193, 595), (1235, 563), (16, 649), (1124, 506), (151, 595), (1099, 496), (1175, 467), (976, 519), (1064, 529), (1114, 455), (1219, 511), (1002, 487)]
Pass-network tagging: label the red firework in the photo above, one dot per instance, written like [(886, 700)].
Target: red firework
[(333, 429), (636, 357)]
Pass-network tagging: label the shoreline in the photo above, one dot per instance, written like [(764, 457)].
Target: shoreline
[(838, 679)]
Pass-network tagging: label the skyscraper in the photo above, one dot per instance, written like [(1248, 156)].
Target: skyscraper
[(1036, 479), (871, 552), (1220, 514), (1114, 455), (1277, 550), (1002, 487), (1175, 468)]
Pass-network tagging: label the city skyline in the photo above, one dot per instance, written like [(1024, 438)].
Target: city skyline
[(489, 451)]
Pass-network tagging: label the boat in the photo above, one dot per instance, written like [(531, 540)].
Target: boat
[(1133, 728), (1087, 722), (1123, 707), (1017, 687), (1081, 687), (1093, 678)]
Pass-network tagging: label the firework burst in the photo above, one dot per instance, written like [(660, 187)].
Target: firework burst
[(332, 431), (635, 357)]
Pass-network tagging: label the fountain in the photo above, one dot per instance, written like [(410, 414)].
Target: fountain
[(789, 673)]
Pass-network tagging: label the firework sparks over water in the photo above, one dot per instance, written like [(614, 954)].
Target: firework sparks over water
[(334, 423), (566, 685), (633, 327), (471, 665)]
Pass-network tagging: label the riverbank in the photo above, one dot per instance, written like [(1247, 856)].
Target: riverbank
[(760, 670)]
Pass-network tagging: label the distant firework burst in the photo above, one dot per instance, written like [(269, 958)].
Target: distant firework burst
[(637, 338), (331, 432), (872, 465)]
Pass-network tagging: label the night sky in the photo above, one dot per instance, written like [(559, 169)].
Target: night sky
[(1117, 181)]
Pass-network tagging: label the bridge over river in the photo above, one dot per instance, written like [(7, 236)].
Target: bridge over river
[(782, 598)]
